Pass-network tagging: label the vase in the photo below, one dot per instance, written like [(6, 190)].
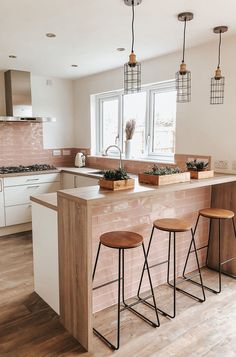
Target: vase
[(128, 149)]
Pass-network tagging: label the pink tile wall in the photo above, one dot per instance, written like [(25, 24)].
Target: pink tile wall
[(137, 215), (22, 144), (136, 166)]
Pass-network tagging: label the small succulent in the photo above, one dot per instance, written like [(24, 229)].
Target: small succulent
[(115, 175), (197, 165), (160, 171)]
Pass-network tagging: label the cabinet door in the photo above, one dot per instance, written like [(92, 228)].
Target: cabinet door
[(83, 181), (17, 195), (68, 181), (2, 209), (18, 214)]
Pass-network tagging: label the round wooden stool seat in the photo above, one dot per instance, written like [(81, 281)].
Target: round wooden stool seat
[(121, 239), (172, 225), (216, 213)]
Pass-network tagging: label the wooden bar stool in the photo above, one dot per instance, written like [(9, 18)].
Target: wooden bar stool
[(123, 240), (173, 226), (218, 214)]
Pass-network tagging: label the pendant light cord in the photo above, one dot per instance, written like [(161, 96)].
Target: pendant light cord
[(184, 41), (132, 49), (219, 52)]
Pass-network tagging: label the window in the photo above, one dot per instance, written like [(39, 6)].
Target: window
[(154, 110)]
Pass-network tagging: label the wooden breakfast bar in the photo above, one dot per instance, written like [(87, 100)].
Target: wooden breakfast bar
[(75, 219), (85, 213)]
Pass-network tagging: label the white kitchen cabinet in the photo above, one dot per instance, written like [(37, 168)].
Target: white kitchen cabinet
[(17, 191), (31, 179), (2, 209), (18, 195), (45, 253), (18, 214), (74, 181)]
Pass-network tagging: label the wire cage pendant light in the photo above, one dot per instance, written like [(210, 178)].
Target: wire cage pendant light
[(183, 76), (218, 81), (132, 69)]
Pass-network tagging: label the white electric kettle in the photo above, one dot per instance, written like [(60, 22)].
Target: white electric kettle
[(80, 159)]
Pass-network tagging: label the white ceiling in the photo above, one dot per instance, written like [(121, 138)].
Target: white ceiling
[(89, 31)]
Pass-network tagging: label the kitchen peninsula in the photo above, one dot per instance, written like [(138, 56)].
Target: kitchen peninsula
[(85, 213)]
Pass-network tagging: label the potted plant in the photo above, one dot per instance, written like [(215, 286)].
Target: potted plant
[(163, 176), (116, 180), (199, 169), (129, 132)]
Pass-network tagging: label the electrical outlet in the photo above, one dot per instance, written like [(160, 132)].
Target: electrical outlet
[(221, 164), (234, 165), (66, 152), (56, 152)]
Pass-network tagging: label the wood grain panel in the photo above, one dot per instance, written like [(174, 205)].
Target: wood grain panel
[(224, 196), (75, 265)]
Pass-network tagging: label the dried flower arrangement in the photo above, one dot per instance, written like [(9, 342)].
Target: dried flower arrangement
[(130, 128)]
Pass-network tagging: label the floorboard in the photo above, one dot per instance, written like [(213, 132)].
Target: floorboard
[(30, 328)]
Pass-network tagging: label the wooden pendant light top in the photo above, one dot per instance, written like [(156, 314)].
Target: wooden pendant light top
[(172, 225), (121, 239), (216, 213)]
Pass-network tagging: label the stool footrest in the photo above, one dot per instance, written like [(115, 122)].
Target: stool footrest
[(184, 280), (228, 260), (105, 284), (205, 246), (155, 265)]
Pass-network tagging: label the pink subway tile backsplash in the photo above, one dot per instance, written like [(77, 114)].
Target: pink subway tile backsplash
[(22, 144)]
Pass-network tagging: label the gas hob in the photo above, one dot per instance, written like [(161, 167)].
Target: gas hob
[(31, 168)]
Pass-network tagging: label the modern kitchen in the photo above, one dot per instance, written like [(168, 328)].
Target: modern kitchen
[(117, 178)]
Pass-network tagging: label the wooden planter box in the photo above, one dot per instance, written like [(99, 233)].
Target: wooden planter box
[(201, 174), (164, 179), (116, 185)]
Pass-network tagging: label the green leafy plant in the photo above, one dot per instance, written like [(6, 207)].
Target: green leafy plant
[(115, 175), (160, 171), (197, 165)]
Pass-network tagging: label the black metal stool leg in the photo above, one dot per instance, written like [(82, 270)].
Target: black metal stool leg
[(190, 247), (209, 240), (141, 279), (96, 261), (130, 306), (168, 260), (118, 308), (219, 237)]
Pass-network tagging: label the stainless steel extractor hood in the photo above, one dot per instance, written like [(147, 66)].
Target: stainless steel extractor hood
[(18, 98)]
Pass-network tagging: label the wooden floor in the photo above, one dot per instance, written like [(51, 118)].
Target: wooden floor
[(29, 328)]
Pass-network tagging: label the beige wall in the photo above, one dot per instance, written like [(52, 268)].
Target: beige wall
[(55, 100), (201, 128)]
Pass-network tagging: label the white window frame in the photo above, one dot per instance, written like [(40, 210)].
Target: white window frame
[(149, 121), (99, 122)]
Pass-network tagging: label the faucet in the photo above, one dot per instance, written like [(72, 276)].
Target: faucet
[(117, 147)]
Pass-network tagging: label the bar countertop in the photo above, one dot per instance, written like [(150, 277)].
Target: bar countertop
[(93, 194)]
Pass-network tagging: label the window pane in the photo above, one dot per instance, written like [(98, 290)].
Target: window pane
[(110, 116), (135, 108), (164, 122)]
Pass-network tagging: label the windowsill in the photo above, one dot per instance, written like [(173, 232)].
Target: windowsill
[(144, 160)]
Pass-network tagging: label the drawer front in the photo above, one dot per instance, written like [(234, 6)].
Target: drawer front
[(18, 214), (31, 179), (17, 195)]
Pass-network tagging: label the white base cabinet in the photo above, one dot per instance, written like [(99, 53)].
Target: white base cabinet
[(75, 181), (17, 191), (2, 208), (45, 254)]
